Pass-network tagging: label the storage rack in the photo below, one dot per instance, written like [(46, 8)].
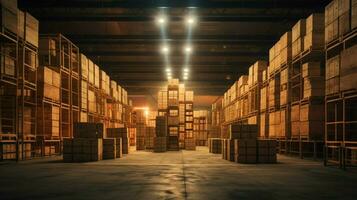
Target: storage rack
[(173, 115), (27, 99), (340, 113), (189, 118), (9, 146), (217, 118)]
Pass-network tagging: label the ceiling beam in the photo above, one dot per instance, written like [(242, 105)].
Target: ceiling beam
[(203, 64), (268, 4), (129, 18), (220, 37), (157, 53)]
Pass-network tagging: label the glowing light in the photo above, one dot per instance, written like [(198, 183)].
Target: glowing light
[(168, 69), (188, 49), (185, 78), (190, 20), (165, 49), (161, 20), (185, 70)]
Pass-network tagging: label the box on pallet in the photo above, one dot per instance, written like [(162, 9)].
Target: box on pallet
[(333, 75), (228, 149), (109, 148), (243, 131), (82, 149), (140, 143), (348, 71), (120, 133), (161, 126), (255, 151), (215, 145), (49, 83), (190, 144), (160, 144)]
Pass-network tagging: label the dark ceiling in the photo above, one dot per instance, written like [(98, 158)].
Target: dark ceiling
[(122, 37)]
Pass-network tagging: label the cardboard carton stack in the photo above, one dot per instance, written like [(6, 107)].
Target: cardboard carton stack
[(121, 134)]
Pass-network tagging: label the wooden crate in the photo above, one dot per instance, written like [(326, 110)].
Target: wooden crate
[(49, 83), (82, 149), (348, 71), (48, 120), (160, 144), (8, 19), (109, 148), (88, 130), (215, 145)]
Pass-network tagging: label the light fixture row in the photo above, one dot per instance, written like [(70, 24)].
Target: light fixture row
[(190, 20), (163, 20), (165, 49)]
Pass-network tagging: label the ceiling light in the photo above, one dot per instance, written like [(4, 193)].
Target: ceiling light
[(185, 70), (168, 70), (188, 49), (161, 20), (185, 78), (165, 49), (190, 20)]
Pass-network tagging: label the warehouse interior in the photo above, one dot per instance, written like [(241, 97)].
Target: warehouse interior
[(189, 99)]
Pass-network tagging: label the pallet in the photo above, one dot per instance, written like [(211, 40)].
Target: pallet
[(8, 138), (29, 138), (12, 80), (340, 95), (50, 101), (6, 34), (347, 40), (302, 148)]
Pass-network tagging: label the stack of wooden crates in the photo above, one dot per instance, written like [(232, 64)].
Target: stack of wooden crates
[(244, 147)]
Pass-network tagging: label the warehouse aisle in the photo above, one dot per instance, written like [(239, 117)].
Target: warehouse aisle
[(173, 175)]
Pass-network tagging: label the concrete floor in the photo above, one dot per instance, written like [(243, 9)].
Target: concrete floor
[(174, 175)]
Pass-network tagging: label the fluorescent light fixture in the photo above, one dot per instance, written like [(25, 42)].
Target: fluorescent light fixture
[(185, 69), (188, 49), (168, 69), (165, 49), (185, 78)]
